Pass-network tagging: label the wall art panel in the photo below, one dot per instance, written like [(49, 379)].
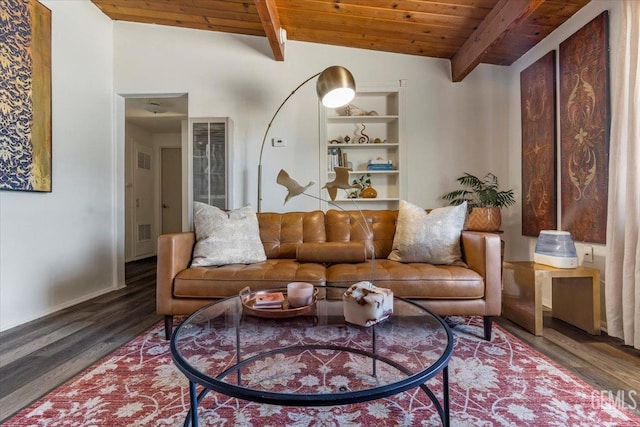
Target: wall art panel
[(25, 96), (584, 131), (538, 105)]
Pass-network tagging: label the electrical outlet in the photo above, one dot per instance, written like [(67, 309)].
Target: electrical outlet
[(588, 254), (278, 142)]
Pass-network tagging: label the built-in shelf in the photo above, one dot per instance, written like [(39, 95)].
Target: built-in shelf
[(362, 119), (363, 172), (387, 100), (367, 146)]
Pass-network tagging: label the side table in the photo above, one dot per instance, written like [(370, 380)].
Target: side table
[(575, 295)]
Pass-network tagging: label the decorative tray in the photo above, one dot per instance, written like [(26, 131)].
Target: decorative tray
[(248, 299)]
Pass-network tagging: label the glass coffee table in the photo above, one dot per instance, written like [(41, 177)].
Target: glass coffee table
[(313, 357)]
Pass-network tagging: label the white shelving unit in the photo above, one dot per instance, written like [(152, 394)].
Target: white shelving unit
[(387, 100)]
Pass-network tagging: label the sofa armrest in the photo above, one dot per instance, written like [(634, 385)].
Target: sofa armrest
[(174, 255), (482, 253)]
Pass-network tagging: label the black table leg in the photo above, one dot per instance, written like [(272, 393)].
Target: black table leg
[(194, 403), (373, 337), (445, 393)]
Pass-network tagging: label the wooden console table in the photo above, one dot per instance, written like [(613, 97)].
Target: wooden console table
[(575, 294)]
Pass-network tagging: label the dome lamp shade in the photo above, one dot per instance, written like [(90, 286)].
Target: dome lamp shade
[(335, 87)]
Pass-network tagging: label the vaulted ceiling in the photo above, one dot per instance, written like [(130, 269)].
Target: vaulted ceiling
[(467, 32)]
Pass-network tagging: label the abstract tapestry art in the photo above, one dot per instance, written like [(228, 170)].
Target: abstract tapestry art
[(25, 96), (584, 131), (538, 105)]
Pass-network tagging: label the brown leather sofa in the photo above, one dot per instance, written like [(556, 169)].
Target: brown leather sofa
[(331, 249)]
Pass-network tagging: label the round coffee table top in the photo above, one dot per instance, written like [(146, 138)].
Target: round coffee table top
[(313, 359)]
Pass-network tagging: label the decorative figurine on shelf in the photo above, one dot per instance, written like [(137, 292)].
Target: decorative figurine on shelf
[(369, 193), (354, 110), (340, 140), (364, 138)]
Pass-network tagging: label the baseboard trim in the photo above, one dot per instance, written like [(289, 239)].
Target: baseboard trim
[(139, 257), (67, 304)]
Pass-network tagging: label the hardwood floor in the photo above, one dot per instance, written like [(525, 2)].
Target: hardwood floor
[(38, 356)]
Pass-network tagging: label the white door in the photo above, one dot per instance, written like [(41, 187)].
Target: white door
[(171, 184), (143, 201)]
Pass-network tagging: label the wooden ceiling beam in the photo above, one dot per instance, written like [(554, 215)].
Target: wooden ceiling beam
[(502, 19), (184, 24), (272, 28), (376, 42)]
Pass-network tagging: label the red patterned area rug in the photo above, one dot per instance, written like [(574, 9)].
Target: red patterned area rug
[(499, 383)]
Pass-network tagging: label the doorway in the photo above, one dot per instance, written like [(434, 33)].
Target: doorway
[(171, 190), (154, 137)]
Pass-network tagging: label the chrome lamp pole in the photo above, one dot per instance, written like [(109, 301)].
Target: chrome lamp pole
[(335, 87)]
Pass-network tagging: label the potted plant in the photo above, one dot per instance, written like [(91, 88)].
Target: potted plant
[(366, 190), (484, 201)]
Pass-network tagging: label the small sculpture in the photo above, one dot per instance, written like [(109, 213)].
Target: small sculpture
[(340, 140), (369, 193), (354, 110), (364, 138)]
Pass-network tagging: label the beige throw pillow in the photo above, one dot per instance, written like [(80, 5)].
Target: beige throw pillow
[(222, 237), (432, 237)]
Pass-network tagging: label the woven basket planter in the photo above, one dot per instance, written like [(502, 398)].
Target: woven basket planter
[(484, 219)]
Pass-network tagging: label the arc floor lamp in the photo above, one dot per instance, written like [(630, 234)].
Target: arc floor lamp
[(335, 87)]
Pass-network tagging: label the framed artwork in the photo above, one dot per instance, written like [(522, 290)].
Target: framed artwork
[(584, 131), (538, 105), (25, 70)]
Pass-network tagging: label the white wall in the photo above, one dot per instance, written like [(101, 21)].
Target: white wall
[(58, 248), (451, 127), (521, 247)]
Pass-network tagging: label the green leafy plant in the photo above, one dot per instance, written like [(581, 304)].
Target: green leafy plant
[(363, 181), (480, 193)]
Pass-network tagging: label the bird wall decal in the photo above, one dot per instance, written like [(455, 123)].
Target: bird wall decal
[(341, 181), (294, 188)]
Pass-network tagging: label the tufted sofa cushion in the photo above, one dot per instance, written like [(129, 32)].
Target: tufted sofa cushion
[(348, 226), (282, 233), (412, 280), (220, 282)]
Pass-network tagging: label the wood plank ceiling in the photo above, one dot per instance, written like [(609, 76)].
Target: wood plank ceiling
[(467, 32)]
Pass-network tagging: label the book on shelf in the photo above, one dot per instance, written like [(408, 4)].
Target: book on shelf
[(336, 158), (269, 300), (380, 167), (380, 162)]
